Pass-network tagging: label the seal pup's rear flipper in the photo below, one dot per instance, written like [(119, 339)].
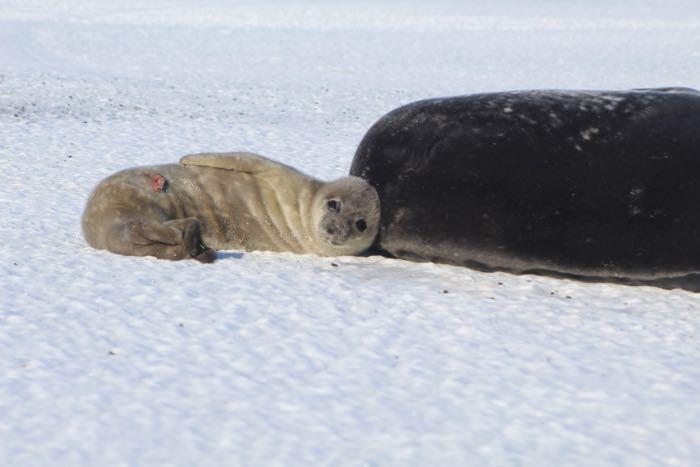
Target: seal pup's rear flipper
[(246, 162)]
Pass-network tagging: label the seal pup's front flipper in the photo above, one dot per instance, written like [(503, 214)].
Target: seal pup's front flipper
[(246, 162)]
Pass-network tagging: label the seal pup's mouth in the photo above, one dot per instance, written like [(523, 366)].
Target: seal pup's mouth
[(336, 234)]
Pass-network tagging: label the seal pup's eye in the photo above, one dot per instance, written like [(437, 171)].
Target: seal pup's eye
[(361, 225), (333, 205)]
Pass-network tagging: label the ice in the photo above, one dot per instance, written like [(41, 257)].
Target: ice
[(279, 359)]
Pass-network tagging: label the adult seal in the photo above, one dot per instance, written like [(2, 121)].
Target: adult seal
[(239, 201), (601, 184)]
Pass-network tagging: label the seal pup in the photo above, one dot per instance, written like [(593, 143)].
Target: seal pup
[(238, 200), (602, 184)]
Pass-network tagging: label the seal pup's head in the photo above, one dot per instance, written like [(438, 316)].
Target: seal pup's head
[(345, 216)]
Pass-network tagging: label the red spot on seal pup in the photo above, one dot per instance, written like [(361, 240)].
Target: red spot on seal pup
[(158, 183)]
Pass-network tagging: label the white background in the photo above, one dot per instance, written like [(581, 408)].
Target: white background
[(278, 359)]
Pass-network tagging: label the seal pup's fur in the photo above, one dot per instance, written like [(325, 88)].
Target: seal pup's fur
[(238, 201)]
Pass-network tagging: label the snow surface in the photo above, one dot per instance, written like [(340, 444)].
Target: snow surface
[(277, 359)]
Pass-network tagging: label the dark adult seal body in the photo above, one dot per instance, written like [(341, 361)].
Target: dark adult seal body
[(589, 183)]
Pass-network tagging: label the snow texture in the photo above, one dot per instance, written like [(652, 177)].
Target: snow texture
[(279, 359)]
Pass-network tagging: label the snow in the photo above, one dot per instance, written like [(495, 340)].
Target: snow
[(280, 359)]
